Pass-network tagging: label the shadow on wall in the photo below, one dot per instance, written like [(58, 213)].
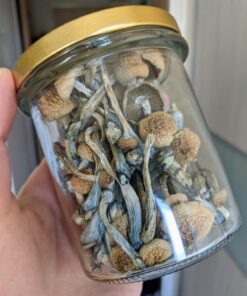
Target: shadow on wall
[(235, 164)]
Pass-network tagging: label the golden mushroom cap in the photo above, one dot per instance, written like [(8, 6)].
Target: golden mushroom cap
[(65, 83), (81, 137), (120, 260), (154, 56), (194, 220), (220, 198), (85, 152), (105, 179), (186, 146), (175, 199), (162, 125), (52, 107), (155, 252), (80, 185), (130, 66), (121, 224), (127, 144)]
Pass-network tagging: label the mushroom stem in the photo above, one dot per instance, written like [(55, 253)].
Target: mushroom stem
[(134, 214), (82, 88), (96, 149), (179, 174), (148, 230), (92, 201), (116, 209), (211, 180), (176, 187), (141, 193), (106, 199), (128, 131), (122, 168), (112, 126), (58, 149), (93, 233), (162, 161), (100, 120), (163, 184), (77, 126)]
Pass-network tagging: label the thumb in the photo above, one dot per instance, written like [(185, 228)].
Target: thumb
[(7, 114)]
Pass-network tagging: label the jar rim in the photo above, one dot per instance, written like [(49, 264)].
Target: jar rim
[(94, 24)]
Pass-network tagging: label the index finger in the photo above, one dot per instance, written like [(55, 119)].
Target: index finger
[(7, 114), (7, 102)]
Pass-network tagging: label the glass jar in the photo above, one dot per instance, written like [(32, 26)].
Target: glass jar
[(124, 137)]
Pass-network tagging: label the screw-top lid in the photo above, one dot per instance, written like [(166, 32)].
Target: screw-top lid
[(101, 22)]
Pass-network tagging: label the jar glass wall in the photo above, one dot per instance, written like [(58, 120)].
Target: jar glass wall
[(124, 137)]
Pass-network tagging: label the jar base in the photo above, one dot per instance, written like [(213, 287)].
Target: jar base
[(160, 270)]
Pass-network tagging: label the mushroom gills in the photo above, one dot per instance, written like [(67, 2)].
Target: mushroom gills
[(141, 101)]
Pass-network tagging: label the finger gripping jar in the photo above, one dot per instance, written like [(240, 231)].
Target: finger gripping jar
[(142, 187)]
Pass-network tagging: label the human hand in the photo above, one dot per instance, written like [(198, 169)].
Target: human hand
[(36, 256)]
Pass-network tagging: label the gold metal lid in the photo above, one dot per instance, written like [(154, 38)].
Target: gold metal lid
[(101, 22)]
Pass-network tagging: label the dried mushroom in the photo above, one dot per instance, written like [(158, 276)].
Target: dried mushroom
[(105, 180), (127, 144), (128, 131), (162, 125), (86, 113), (120, 260), (91, 203), (163, 185), (81, 185), (194, 220), (106, 199), (129, 67), (123, 150), (59, 151), (211, 180), (149, 226), (81, 138), (98, 150), (112, 128), (155, 57), (186, 146), (135, 156), (141, 101), (53, 107), (93, 231), (121, 166), (220, 198), (134, 211), (121, 223), (116, 209), (65, 83), (175, 199), (162, 161), (85, 152), (155, 252), (199, 185), (224, 212)]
